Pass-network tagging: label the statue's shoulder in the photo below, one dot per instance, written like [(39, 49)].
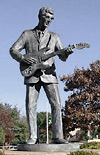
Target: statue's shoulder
[(54, 34), (26, 32)]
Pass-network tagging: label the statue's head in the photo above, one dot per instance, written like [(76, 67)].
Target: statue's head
[(45, 16)]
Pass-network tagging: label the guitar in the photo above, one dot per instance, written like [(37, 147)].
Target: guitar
[(28, 70)]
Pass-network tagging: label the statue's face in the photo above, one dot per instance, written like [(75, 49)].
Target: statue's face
[(46, 19)]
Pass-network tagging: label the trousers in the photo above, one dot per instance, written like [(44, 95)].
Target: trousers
[(52, 93)]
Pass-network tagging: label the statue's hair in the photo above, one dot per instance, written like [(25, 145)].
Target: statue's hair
[(45, 10)]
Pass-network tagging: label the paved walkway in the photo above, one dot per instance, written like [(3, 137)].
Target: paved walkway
[(15, 152)]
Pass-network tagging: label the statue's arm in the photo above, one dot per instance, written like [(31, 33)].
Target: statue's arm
[(17, 47), (64, 51)]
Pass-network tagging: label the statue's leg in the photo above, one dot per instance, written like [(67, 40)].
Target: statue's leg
[(54, 99), (32, 93)]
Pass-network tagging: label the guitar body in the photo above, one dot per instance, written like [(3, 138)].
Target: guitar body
[(29, 70)]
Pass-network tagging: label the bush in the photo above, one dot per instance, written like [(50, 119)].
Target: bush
[(1, 153), (91, 145), (83, 153)]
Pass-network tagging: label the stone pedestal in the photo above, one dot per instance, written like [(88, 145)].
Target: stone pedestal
[(48, 147)]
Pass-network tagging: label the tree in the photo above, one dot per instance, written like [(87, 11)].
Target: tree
[(6, 123), (20, 129), (42, 127), (17, 128), (82, 108), (13, 112), (20, 132), (2, 136)]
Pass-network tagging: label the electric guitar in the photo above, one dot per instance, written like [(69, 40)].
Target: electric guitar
[(40, 57)]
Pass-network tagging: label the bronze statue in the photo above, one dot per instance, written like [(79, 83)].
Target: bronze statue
[(36, 41)]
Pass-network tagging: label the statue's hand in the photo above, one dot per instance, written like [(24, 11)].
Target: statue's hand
[(65, 52), (68, 51), (28, 60)]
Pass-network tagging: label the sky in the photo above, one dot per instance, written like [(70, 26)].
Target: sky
[(75, 21)]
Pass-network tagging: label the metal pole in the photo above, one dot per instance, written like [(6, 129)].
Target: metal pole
[(47, 123)]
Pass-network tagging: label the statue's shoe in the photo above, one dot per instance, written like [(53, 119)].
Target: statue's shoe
[(59, 141), (31, 141)]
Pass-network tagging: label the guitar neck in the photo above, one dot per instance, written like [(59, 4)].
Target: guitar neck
[(46, 57)]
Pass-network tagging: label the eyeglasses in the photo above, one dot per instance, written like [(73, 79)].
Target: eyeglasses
[(48, 17)]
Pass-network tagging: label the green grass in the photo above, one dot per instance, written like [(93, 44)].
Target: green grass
[(1, 153), (83, 153), (91, 145)]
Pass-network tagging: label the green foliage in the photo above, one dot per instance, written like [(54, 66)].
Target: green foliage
[(20, 132), (41, 117), (42, 127), (20, 126), (1, 153), (7, 123), (2, 136), (41, 120), (83, 153), (43, 136), (14, 125), (91, 145), (20, 129), (13, 112), (84, 136)]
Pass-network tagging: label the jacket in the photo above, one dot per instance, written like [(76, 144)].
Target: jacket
[(29, 41)]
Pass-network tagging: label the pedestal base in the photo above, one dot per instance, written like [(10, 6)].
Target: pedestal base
[(48, 147)]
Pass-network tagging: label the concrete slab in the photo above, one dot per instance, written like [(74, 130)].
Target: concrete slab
[(48, 147)]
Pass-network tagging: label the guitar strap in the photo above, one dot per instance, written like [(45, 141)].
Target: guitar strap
[(47, 45)]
